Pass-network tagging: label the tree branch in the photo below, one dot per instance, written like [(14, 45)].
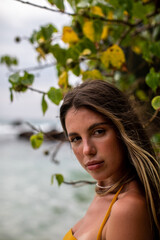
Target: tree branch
[(148, 16), (46, 8), (124, 34), (51, 135), (144, 28), (114, 21), (152, 118), (36, 90), (56, 151), (34, 68), (79, 183)]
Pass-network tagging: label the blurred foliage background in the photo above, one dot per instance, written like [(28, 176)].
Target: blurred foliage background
[(115, 41)]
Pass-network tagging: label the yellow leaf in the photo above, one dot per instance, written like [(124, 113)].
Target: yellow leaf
[(86, 52), (97, 11), (136, 49), (110, 15), (125, 13), (63, 80), (105, 30), (113, 56), (141, 95), (69, 61), (69, 35), (93, 75), (41, 52), (88, 30), (41, 40), (104, 34)]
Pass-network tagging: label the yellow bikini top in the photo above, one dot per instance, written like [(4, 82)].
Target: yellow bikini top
[(69, 235)]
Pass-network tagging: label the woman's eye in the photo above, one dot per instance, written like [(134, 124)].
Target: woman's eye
[(75, 139), (99, 131)]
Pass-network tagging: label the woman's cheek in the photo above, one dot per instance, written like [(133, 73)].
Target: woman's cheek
[(77, 153)]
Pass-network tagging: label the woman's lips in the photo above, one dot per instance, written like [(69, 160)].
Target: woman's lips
[(94, 165)]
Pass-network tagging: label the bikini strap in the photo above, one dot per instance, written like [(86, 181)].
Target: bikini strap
[(108, 213)]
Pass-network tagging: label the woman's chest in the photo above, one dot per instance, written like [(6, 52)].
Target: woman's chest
[(89, 226)]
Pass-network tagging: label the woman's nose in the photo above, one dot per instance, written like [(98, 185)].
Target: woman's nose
[(89, 148)]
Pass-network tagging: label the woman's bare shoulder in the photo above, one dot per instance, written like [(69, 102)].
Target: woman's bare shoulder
[(129, 218), (132, 204)]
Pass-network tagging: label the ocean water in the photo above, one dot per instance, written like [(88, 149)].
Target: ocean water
[(30, 207)]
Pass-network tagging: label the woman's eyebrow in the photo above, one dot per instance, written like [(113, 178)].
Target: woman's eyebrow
[(72, 134), (96, 125), (90, 128)]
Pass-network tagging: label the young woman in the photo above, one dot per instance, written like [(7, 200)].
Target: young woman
[(111, 145)]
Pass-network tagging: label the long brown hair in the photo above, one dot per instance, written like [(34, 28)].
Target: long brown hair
[(105, 99)]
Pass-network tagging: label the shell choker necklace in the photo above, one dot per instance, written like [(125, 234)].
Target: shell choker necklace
[(105, 187)]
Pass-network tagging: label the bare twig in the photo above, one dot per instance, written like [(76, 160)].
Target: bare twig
[(144, 28), (138, 29), (113, 21), (152, 118), (33, 127), (56, 151), (34, 68), (51, 135), (79, 183), (124, 34), (36, 90), (148, 16), (46, 8)]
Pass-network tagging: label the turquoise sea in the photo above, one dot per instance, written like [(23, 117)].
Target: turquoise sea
[(30, 207)]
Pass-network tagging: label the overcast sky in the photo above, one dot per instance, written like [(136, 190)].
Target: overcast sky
[(17, 19)]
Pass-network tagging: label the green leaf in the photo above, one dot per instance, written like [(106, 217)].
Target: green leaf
[(44, 105), (59, 3), (55, 95), (155, 48), (98, 27), (156, 102), (76, 70), (33, 37), (83, 4), (101, 2), (156, 138), (59, 178), (9, 60), (139, 10), (72, 3), (52, 179), (44, 34), (153, 79), (20, 83), (11, 94), (14, 78), (36, 140), (141, 95), (145, 47), (92, 75), (59, 53), (122, 5), (127, 5), (27, 79), (114, 3), (75, 51), (47, 31)]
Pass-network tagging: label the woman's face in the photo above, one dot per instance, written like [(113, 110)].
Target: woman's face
[(95, 144)]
